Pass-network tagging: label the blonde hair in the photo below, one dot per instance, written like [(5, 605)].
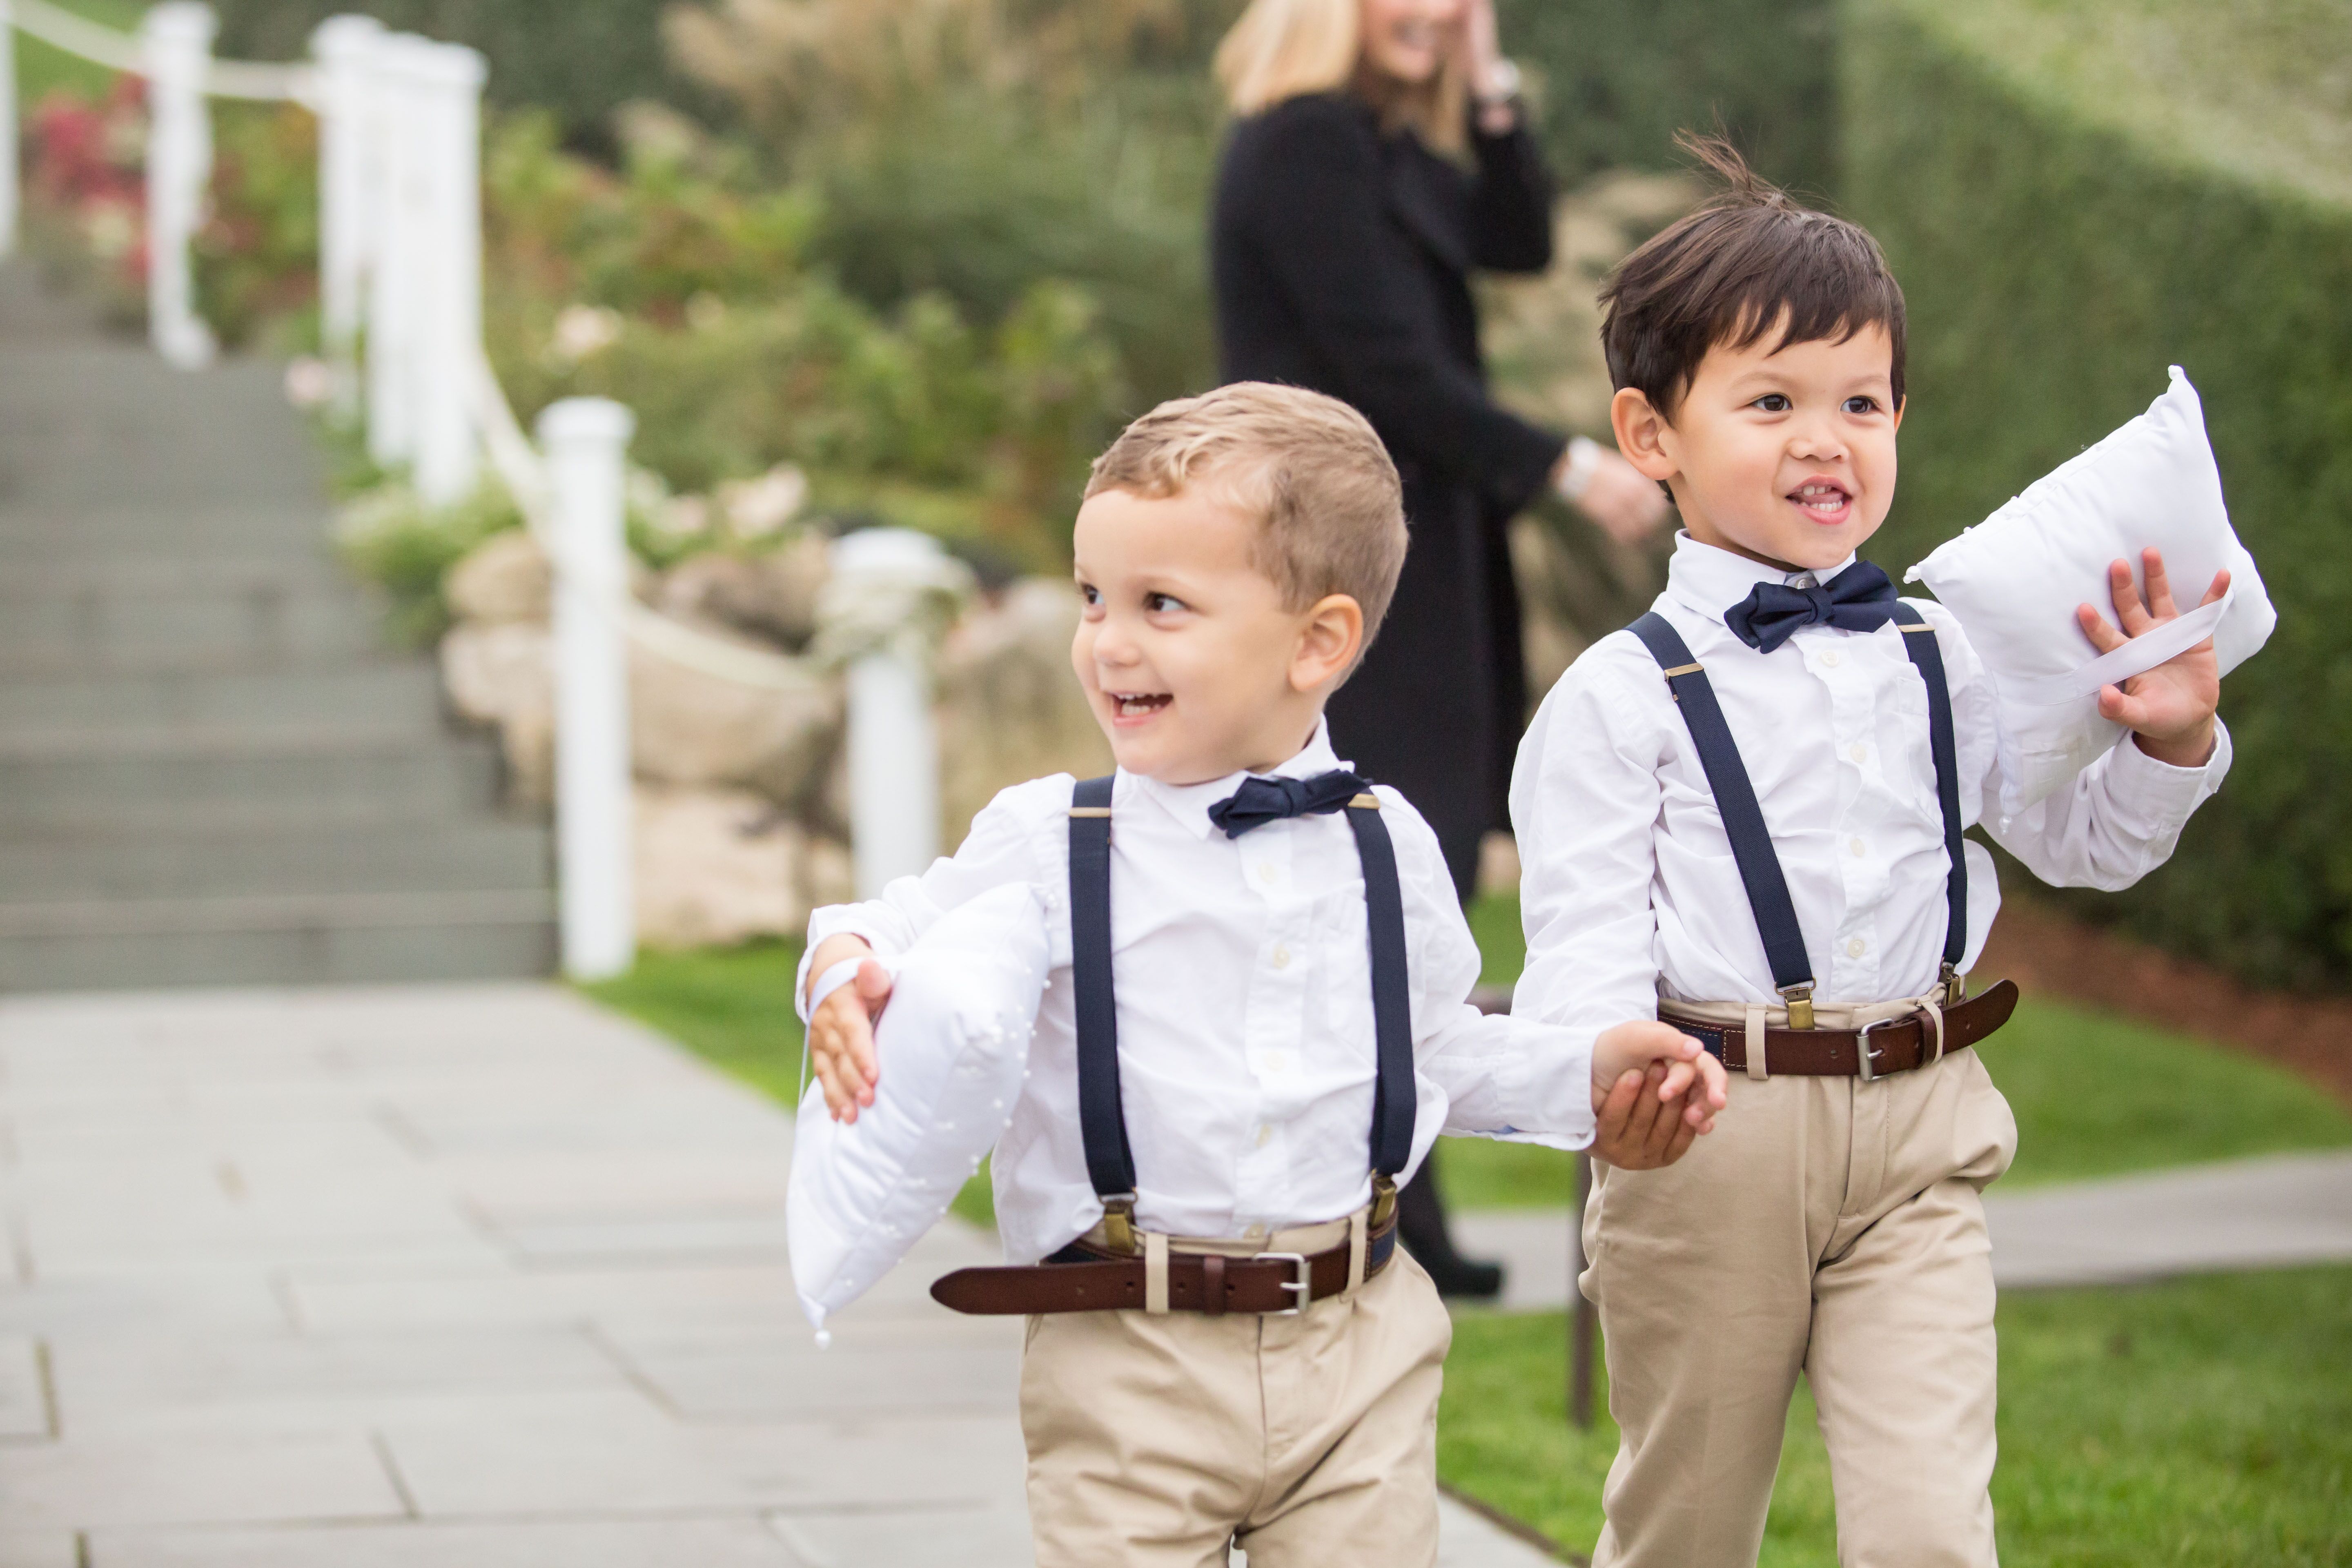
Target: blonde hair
[(1308, 468), (1282, 49)]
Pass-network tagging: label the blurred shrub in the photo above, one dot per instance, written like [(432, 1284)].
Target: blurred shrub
[(2076, 196), (1618, 81), (582, 60), (257, 256)]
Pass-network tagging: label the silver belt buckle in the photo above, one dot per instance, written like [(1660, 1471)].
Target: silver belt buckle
[(1303, 1287), (1863, 1053)]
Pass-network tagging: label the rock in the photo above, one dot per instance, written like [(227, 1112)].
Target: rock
[(771, 595), (501, 673), (717, 867), (690, 726), (1009, 706), (504, 578)]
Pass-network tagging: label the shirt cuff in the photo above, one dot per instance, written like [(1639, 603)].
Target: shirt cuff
[(2156, 793)]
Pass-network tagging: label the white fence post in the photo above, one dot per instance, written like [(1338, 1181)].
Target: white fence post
[(395, 206), (9, 198), (585, 440), (449, 335), (176, 39), (894, 748), (343, 46)]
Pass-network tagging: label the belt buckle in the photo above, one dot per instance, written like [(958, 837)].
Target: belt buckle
[(1862, 1051), (1303, 1287)]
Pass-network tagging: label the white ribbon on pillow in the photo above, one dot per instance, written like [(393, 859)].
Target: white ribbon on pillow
[(2137, 657)]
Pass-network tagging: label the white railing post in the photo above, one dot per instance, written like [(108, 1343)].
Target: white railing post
[(176, 40), (585, 440), (343, 47), (10, 199), (894, 748), (449, 335), (396, 208)]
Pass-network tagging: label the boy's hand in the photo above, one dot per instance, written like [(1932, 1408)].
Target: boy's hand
[(2169, 708), (1653, 1089), (841, 1030)]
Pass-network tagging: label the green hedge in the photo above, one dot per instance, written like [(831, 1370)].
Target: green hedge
[(1620, 79), (2074, 194)]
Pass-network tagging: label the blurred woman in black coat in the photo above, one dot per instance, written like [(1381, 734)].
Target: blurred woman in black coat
[(1379, 158)]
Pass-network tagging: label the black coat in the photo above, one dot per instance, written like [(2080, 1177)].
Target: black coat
[(1342, 260)]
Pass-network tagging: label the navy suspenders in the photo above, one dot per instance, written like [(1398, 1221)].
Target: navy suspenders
[(1102, 1120), (1743, 818)]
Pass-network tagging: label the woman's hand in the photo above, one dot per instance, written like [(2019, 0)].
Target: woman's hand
[(1611, 493)]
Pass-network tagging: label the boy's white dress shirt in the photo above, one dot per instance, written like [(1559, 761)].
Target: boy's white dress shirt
[(1629, 876), (1242, 976)]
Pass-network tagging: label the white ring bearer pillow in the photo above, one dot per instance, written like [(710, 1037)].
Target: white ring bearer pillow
[(2014, 579), (953, 1045)]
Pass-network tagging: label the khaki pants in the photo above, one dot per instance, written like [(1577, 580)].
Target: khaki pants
[(1154, 1441), (1828, 1226)]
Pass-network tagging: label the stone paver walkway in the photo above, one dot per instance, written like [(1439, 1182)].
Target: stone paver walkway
[(2268, 1213), (472, 1277)]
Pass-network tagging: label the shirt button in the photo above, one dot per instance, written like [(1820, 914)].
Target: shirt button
[(1861, 752), (1264, 1134), (1856, 948), (1858, 847), (1266, 873), (1282, 958), (1829, 658), (1256, 1233)]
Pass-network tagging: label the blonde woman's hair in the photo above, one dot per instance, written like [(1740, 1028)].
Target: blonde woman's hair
[(1308, 468), (1282, 49)]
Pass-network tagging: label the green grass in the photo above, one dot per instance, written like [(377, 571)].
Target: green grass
[(733, 1007), (2094, 1096), (2202, 1422)]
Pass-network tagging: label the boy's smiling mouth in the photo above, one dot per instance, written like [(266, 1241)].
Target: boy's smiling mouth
[(1138, 704), (1824, 500)]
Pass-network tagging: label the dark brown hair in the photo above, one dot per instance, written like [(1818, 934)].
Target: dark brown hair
[(1748, 260)]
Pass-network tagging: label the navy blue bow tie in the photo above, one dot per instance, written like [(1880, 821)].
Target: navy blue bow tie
[(1859, 599), (1262, 800)]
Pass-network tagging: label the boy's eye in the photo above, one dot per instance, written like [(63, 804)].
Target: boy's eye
[(1774, 402), (1861, 405), (1091, 594), (1160, 603)]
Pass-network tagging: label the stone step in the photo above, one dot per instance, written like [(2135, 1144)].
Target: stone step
[(166, 861), (302, 941), (229, 779), (392, 693), (111, 424), (159, 538), (33, 313), (65, 619)]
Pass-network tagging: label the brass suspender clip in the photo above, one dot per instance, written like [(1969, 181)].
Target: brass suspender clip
[(1800, 999), (1118, 1225), (1384, 1198), (1956, 986)]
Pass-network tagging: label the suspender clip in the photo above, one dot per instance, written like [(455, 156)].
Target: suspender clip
[(1956, 985), (1118, 1225), (1800, 1004), (1384, 1198)]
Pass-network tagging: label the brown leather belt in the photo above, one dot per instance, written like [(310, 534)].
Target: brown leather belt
[(1271, 1283), (1900, 1045)]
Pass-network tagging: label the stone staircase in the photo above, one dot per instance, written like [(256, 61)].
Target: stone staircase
[(213, 770)]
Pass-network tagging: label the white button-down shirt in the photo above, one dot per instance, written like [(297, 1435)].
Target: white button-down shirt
[(1628, 874), (1242, 976)]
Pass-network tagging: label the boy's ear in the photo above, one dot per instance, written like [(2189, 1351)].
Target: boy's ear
[(1898, 412), (1642, 433), (1330, 639)]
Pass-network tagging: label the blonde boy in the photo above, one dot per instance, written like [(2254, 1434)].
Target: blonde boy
[(1743, 815), (1257, 1025)]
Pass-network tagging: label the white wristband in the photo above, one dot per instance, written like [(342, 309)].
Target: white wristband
[(1584, 456), (831, 981)]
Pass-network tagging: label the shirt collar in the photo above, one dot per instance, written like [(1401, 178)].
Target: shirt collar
[(1190, 803), (1708, 581)]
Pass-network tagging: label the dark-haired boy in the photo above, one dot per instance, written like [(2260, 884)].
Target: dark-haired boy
[(1743, 815)]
